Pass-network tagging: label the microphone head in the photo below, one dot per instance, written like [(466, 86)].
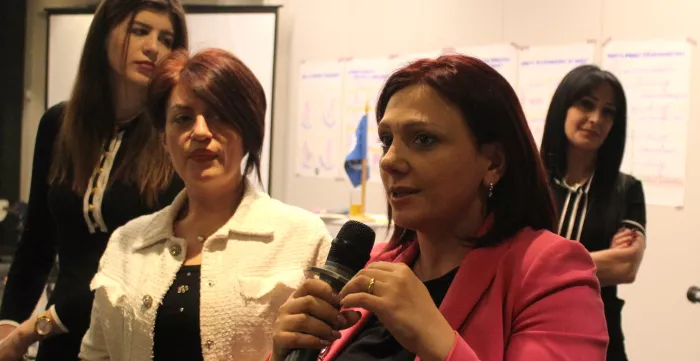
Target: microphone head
[(352, 246)]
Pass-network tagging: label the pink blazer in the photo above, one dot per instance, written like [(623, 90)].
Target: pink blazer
[(534, 297)]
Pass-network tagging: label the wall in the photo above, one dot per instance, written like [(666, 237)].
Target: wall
[(329, 29)]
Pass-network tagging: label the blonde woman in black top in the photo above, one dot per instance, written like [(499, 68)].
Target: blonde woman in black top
[(98, 163), (601, 207)]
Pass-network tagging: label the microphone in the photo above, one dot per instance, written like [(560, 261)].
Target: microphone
[(693, 294), (349, 253)]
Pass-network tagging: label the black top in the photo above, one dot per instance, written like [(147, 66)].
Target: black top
[(374, 342), (593, 218), (177, 321), (74, 227)]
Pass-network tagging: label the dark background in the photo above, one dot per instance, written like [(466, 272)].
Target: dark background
[(13, 15)]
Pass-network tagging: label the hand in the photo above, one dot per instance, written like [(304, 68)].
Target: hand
[(309, 319), (404, 306), (624, 238), (14, 347), (5, 330)]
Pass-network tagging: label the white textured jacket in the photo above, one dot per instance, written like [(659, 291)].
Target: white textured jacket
[(249, 268)]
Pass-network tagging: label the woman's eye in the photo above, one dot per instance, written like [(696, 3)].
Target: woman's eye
[(139, 31), (168, 42), (587, 104), (179, 119), (385, 141), (424, 140)]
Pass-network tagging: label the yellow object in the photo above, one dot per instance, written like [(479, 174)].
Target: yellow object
[(356, 210)]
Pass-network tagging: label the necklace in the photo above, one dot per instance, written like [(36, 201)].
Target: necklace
[(180, 215)]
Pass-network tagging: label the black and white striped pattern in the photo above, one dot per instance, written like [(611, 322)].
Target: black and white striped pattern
[(92, 200), (573, 213)]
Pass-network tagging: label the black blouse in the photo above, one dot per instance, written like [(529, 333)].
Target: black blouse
[(375, 343), (73, 227), (176, 335), (593, 218)]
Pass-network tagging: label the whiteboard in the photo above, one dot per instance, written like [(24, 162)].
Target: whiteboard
[(247, 32)]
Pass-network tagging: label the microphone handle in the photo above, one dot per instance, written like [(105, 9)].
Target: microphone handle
[(336, 282)]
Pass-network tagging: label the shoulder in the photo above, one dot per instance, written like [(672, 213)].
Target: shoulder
[(542, 256), (629, 188), (628, 180), (50, 122), (136, 233), (285, 217)]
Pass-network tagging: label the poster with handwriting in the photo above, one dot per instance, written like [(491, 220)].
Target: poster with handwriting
[(502, 57), (656, 78), (540, 70), (319, 120)]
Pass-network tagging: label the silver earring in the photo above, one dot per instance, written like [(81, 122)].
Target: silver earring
[(490, 190)]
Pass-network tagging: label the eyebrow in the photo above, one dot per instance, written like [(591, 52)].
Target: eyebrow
[(596, 99), (149, 27), (180, 107), (408, 124)]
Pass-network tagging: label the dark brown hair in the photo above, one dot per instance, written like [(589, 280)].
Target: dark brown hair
[(493, 113), (89, 119), (224, 83), (578, 83)]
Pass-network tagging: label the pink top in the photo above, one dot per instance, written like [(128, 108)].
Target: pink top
[(533, 297)]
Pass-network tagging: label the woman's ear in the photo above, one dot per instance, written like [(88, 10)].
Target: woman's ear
[(497, 163)]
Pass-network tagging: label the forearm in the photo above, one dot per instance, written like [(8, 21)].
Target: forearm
[(615, 266), (26, 282)]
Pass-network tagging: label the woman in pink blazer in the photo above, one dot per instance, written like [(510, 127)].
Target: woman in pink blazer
[(472, 271)]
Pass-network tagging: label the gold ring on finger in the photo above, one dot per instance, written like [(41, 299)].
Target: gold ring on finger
[(370, 287)]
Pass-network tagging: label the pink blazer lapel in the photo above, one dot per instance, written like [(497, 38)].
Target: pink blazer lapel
[(475, 275)]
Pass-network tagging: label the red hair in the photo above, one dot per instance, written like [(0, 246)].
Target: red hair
[(224, 83), (493, 113)]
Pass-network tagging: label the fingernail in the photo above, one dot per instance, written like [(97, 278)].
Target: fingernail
[(336, 334), (341, 322)]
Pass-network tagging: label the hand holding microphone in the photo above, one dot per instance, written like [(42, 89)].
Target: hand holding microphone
[(404, 306), (311, 319)]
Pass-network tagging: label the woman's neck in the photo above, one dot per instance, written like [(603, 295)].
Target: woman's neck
[(442, 248), (206, 213), (129, 100), (579, 166), (438, 255)]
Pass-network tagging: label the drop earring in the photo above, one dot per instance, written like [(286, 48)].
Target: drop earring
[(490, 190)]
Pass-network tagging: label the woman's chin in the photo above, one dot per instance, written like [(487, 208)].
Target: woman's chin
[(204, 176)]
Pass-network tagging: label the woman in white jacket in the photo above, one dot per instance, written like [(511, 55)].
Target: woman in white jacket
[(203, 278)]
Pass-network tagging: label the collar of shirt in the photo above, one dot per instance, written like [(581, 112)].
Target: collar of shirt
[(584, 187)]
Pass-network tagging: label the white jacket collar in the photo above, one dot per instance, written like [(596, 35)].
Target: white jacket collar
[(250, 218)]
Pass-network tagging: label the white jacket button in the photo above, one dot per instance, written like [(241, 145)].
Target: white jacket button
[(147, 301), (175, 250)]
